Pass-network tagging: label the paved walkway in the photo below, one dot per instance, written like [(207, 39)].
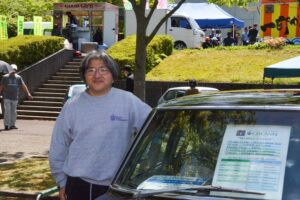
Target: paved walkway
[(32, 138)]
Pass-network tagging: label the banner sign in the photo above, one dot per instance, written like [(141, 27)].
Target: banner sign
[(51, 20), (127, 5), (253, 158), (3, 28), (280, 19), (20, 25), (79, 6), (38, 27)]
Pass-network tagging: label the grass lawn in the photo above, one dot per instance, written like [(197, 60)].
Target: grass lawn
[(235, 65), (32, 174)]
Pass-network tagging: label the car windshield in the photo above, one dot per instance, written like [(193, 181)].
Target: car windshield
[(76, 90), (250, 150)]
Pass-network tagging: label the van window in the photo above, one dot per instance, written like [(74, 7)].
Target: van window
[(180, 22)]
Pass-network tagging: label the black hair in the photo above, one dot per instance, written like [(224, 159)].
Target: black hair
[(127, 68), (102, 55)]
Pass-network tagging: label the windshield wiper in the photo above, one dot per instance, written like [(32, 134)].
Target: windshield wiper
[(148, 193)]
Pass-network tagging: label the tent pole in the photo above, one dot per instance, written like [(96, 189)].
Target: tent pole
[(233, 31)]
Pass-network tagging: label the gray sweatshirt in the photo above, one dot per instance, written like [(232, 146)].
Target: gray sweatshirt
[(92, 134)]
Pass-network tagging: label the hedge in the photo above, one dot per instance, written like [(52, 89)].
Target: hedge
[(26, 50), (124, 51)]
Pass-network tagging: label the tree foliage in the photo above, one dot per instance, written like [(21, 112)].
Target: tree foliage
[(26, 8)]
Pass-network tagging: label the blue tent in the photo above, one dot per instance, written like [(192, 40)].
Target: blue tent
[(209, 15)]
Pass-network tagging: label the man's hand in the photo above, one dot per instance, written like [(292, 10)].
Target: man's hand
[(62, 194)]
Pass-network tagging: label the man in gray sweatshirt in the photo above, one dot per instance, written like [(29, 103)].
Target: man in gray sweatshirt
[(93, 131)]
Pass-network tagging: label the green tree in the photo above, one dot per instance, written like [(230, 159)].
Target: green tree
[(26, 8), (142, 39)]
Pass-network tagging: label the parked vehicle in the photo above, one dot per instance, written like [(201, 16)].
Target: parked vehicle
[(184, 29), (223, 145), (176, 92), (74, 90)]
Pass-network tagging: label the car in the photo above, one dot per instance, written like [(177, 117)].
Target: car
[(222, 145), (73, 90), (176, 92)]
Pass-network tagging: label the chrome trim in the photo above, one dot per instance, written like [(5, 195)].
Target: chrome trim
[(231, 107)]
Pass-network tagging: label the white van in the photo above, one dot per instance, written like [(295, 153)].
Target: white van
[(185, 31)]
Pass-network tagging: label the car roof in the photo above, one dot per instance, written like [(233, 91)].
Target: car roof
[(198, 87), (72, 87), (271, 97)]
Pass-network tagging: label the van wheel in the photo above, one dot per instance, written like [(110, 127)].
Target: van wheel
[(179, 45)]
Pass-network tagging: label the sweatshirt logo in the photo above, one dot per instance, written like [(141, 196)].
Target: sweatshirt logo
[(114, 117)]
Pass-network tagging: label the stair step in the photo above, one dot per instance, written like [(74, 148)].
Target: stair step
[(38, 113), (67, 70), (66, 78), (74, 63), (64, 82), (59, 90), (50, 99), (32, 117), (56, 86), (48, 94), (78, 59), (71, 66), (40, 108), (42, 103), (77, 74)]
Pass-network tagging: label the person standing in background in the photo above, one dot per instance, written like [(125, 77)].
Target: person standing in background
[(193, 89), (56, 31), (9, 89), (129, 78), (72, 18), (245, 38), (252, 34)]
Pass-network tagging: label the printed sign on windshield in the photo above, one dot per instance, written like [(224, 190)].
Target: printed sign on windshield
[(253, 158)]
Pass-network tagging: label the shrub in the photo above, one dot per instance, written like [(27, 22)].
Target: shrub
[(269, 43), (258, 45), (124, 51), (275, 43), (26, 50)]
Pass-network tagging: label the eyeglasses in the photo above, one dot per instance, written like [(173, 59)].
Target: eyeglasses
[(92, 71)]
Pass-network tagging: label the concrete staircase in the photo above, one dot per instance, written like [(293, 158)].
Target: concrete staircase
[(48, 99)]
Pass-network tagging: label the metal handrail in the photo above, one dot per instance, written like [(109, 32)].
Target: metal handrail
[(47, 192)]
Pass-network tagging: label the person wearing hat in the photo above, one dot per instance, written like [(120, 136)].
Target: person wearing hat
[(9, 88), (93, 131)]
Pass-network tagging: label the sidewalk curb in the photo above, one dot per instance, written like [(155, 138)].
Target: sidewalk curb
[(24, 195)]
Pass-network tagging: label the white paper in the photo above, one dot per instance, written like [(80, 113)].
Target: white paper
[(253, 157)]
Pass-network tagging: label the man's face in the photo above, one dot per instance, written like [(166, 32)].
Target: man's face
[(98, 78), (13, 72)]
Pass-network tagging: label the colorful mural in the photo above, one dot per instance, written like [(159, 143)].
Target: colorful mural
[(280, 19)]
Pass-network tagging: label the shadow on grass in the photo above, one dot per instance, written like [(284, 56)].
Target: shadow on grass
[(4, 156), (32, 174)]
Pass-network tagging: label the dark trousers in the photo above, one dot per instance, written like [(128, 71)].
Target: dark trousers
[(78, 189)]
